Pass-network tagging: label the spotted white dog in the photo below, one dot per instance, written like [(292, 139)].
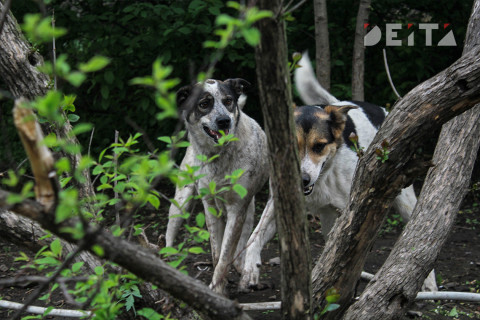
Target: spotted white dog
[(327, 163), (209, 108)]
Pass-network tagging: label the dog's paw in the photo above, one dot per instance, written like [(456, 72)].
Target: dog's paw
[(250, 277), (219, 287), (430, 283)]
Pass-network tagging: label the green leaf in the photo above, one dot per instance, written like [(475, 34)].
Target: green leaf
[(201, 157), (120, 187), (240, 190), (56, 247), (332, 307), (200, 219), (196, 250), (251, 36), (153, 200), (150, 314), (213, 211), (77, 266), (168, 250), (98, 250), (453, 312), (75, 78), (94, 64), (98, 270), (105, 91), (82, 128), (73, 117)]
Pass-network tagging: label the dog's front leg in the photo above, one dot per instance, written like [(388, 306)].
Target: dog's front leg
[(216, 227), (263, 233), (182, 198), (235, 220), (242, 242)]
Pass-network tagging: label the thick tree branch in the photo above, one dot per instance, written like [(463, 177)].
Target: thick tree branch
[(396, 284), (411, 123), (140, 261)]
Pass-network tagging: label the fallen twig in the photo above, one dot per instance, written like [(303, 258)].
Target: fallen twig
[(444, 295), (40, 310)]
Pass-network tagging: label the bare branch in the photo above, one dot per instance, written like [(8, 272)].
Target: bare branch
[(387, 69)]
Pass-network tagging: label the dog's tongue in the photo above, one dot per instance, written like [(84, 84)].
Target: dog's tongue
[(217, 134)]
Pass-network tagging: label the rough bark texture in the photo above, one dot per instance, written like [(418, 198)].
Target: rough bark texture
[(18, 69), (276, 102), (322, 44), (396, 284), (141, 262), (412, 122), (358, 63)]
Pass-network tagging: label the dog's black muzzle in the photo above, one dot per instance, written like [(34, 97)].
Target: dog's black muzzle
[(223, 123), (306, 181)]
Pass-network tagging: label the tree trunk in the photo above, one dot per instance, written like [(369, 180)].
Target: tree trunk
[(413, 121), (276, 102), (322, 45), (396, 284), (358, 62), (18, 67)]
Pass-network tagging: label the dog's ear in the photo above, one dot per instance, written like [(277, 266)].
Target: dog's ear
[(238, 85), (338, 117), (338, 114), (182, 95)]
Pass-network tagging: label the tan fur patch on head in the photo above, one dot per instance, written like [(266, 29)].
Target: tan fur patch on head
[(338, 117), (210, 81)]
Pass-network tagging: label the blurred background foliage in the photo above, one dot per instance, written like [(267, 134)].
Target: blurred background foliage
[(135, 33)]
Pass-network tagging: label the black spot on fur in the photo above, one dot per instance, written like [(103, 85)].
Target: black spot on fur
[(374, 113), (306, 119), (349, 128)]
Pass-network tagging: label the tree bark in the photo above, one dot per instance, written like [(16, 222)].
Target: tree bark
[(358, 62), (18, 67), (412, 122), (276, 103), (396, 284), (322, 44)]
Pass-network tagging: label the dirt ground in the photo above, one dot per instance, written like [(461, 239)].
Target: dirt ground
[(457, 268)]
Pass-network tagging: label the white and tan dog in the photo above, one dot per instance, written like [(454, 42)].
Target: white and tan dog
[(327, 163), (209, 108)]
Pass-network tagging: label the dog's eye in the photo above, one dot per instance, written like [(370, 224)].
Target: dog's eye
[(203, 105), (228, 101), (318, 147)]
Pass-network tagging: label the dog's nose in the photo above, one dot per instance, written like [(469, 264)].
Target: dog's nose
[(305, 179), (223, 123)]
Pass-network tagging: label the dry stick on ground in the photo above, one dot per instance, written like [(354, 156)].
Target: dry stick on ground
[(411, 123), (132, 257)]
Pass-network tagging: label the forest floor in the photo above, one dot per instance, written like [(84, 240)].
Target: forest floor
[(457, 268)]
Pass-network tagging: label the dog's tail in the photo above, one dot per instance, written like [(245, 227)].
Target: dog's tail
[(310, 90)]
